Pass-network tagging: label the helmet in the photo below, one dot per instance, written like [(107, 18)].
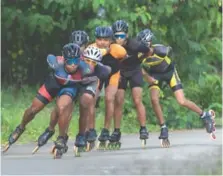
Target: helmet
[(103, 32), (120, 26), (71, 51), (145, 36), (93, 53), (79, 37)]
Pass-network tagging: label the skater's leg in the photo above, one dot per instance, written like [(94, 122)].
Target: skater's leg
[(177, 88), (110, 92), (64, 110), (92, 111), (30, 113), (86, 103), (53, 119), (119, 102), (140, 108), (182, 101), (154, 94)]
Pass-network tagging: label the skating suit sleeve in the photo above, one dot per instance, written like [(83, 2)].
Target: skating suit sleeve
[(159, 61), (137, 46), (55, 62), (62, 77), (100, 72)]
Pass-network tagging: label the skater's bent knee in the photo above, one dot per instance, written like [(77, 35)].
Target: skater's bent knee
[(61, 109), (33, 110), (109, 98), (119, 101), (154, 100), (181, 102), (86, 99), (137, 101)]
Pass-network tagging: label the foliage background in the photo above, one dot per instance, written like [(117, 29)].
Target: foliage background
[(32, 29)]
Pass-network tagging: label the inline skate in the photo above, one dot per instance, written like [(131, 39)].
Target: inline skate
[(164, 137), (80, 144), (143, 135), (14, 136), (91, 137), (114, 139), (43, 138), (60, 147), (103, 139), (209, 122)]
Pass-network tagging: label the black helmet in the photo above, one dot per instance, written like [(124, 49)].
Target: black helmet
[(71, 50), (103, 32), (120, 26), (145, 36), (79, 37)]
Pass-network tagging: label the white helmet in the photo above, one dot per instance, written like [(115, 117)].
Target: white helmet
[(93, 53)]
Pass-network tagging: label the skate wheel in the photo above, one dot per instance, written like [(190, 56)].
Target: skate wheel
[(118, 146), (165, 143), (6, 147), (212, 113), (35, 150), (102, 145), (88, 147), (110, 146), (76, 152), (213, 136), (143, 142), (98, 145), (66, 149), (57, 154), (53, 149)]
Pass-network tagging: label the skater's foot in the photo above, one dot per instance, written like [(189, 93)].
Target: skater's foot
[(60, 147), (164, 137), (208, 119), (143, 133), (14, 136)]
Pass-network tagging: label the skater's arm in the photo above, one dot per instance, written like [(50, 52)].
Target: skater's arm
[(148, 78), (54, 62), (138, 46), (102, 71)]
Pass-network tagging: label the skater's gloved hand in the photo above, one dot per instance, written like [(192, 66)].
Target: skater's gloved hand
[(55, 61)]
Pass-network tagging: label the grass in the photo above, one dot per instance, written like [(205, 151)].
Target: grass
[(15, 102)]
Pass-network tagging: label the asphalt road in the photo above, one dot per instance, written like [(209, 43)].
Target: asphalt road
[(191, 152)]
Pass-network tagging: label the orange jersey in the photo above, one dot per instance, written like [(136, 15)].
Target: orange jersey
[(117, 51), (112, 56)]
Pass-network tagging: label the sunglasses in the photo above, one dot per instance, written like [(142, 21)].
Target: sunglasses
[(121, 36), (72, 61), (89, 61)]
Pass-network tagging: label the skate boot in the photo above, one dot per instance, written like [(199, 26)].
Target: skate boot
[(14, 136), (80, 145), (91, 136), (209, 122), (43, 138), (103, 139), (143, 135), (114, 139), (60, 147), (54, 147), (164, 137)]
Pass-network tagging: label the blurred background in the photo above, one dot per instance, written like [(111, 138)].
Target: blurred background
[(33, 29)]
